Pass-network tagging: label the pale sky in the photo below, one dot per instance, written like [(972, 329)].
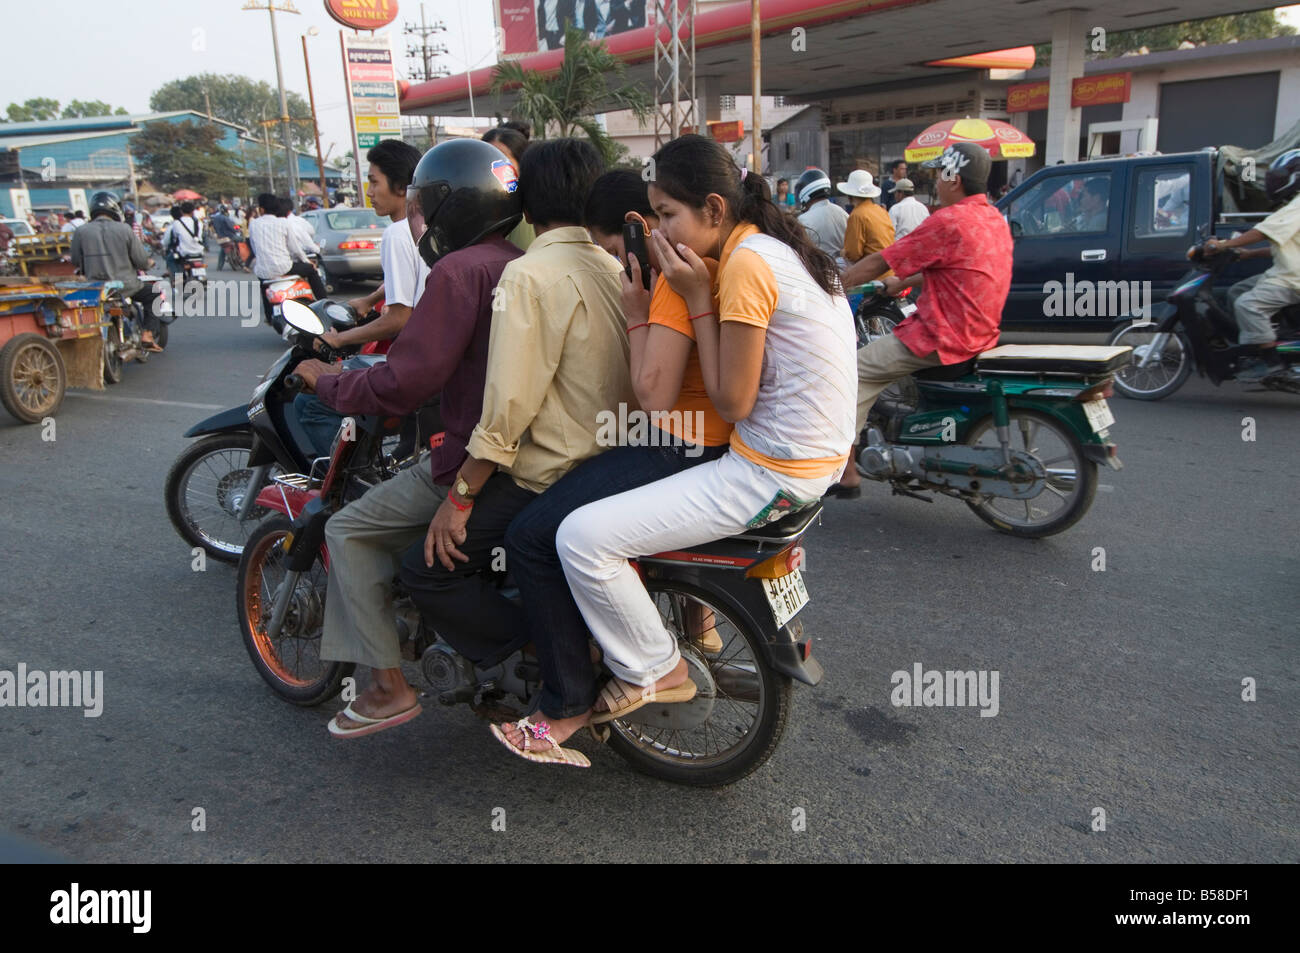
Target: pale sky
[(120, 51)]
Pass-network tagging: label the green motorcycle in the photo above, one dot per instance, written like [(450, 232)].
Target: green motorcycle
[(1016, 432)]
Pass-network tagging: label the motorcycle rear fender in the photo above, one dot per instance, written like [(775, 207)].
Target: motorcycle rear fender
[(233, 420), (782, 647), (308, 535)]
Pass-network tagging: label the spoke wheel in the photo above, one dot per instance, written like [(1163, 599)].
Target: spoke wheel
[(1071, 477), (748, 702), (113, 353), (290, 662), (1164, 374), (33, 378), (205, 489)]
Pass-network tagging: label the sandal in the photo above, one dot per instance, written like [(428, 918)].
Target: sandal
[(707, 639), (552, 754), (369, 725), (619, 700)]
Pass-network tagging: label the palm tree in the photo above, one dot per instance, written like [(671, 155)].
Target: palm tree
[(566, 102)]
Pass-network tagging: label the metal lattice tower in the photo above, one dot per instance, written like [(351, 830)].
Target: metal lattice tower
[(674, 68)]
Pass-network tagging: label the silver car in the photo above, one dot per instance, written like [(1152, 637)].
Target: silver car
[(349, 240)]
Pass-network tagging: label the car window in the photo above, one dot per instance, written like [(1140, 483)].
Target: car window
[(346, 219), (1073, 204), (1162, 203), (19, 228)]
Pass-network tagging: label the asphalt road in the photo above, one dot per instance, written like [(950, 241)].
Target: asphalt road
[(1119, 689)]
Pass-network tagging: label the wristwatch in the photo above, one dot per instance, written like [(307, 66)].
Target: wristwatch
[(462, 488)]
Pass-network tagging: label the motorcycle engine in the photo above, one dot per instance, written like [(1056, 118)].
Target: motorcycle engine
[(448, 673), (883, 461)]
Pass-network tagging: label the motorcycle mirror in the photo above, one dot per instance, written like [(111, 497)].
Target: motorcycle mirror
[(300, 317)]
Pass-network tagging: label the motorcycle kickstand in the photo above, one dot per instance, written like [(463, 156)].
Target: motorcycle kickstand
[(1001, 420), (251, 490), (281, 607)]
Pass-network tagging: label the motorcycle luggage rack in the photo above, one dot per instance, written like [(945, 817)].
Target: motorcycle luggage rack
[(296, 481)]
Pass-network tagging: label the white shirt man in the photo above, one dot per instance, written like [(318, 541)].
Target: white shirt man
[(275, 246), (404, 268), (906, 213), (825, 223), (186, 233), (305, 232)]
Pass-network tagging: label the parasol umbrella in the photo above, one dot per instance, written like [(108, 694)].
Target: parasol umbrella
[(186, 195), (1001, 140)]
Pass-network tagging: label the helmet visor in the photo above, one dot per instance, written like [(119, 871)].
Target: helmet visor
[(415, 213)]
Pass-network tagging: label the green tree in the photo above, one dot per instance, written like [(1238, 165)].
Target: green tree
[(566, 103), (176, 155), (1262, 25), (235, 99), (94, 107), (34, 110)]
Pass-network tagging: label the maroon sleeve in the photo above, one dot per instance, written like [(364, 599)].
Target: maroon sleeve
[(422, 357), (919, 248)]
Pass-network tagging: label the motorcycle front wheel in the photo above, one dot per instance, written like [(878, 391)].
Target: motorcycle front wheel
[(113, 353), (1167, 371), (290, 662), (1071, 477), (205, 489), (747, 702)]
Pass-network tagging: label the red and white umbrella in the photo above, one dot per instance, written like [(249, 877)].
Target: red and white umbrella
[(1001, 140)]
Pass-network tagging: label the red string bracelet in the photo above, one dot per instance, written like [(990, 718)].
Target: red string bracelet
[(452, 500), (702, 314), (643, 324)]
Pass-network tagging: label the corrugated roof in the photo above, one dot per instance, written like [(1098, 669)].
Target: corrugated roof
[(94, 123), (24, 142)]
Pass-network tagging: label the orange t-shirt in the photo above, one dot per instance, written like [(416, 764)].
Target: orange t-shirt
[(692, 418)]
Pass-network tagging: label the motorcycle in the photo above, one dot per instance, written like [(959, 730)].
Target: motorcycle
[(124, 324), (751, 583), (210, 489), (287, 288), (194, 266), (1194, 329), (1017, 432)]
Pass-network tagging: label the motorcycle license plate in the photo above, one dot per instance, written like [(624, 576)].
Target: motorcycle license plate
[(1098, 414), (786, 596), (907, 307), (199, 272)]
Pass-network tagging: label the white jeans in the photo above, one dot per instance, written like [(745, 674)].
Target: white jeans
[(707, 502)]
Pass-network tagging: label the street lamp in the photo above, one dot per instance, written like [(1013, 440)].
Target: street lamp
[(315, 128), (286, 7)]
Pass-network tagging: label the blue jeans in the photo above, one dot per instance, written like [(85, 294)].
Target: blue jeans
[(555, 624), (319, 419)]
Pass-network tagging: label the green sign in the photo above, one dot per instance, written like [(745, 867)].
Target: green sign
[(367, 140)]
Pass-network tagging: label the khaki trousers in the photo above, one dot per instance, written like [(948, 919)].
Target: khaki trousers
[(880, 363), (366, 540)]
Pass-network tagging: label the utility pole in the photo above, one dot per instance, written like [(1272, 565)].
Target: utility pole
[(756, 54), (423, 52), (320, 162), (290, 153), (266, 138)]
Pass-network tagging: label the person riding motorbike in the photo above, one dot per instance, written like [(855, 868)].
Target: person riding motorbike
[(106, 249), (276, 250), (1256, 299), (459, 211), (185, 234), (823, 220), (961, 258)]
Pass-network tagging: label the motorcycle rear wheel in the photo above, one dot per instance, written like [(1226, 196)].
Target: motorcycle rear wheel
[(290, 663), (1156, 380), (113, 354), (1072, 477), (751, 703), (199, 490)]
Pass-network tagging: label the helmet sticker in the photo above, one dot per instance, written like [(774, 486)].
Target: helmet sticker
[(504, 171)]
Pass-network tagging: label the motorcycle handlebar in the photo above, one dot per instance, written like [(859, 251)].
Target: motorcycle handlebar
[(293, 383)]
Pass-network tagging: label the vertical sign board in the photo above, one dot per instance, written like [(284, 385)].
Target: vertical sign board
[(372, 96)]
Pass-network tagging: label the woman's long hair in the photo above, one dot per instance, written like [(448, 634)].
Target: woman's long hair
[(692, 167)]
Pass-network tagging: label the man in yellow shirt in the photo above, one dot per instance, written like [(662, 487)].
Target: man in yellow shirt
[(870, 228), (557, 357)]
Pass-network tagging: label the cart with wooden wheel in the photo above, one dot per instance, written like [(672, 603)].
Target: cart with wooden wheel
[(51, 338)]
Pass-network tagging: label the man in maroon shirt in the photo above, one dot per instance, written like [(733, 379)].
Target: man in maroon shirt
[(457, 193), (960, 257)]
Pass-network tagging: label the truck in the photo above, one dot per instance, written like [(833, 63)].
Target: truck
[(1103, 242)]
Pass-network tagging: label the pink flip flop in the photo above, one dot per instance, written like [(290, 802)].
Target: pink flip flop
[(370, 725)]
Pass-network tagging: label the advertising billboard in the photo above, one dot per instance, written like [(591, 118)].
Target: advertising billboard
[(372, 95), (531, 26)]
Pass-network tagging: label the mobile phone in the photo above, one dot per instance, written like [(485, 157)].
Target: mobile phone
[(634, 244)]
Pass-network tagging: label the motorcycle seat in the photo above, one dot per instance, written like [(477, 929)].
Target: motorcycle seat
[(787, 527), (945, 372), (1070, 358)]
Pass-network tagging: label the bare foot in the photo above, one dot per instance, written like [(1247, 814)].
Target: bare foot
[(561, 728), (379, 702), (677, 676)]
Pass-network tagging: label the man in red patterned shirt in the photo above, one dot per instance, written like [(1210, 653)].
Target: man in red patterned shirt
[(960, 257)]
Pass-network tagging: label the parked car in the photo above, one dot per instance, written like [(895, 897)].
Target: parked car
[(1089, 235), (349, 240)]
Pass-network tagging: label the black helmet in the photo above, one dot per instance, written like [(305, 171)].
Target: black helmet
[(1282, 182), (105, 203), (813, 184), (462, 190)]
